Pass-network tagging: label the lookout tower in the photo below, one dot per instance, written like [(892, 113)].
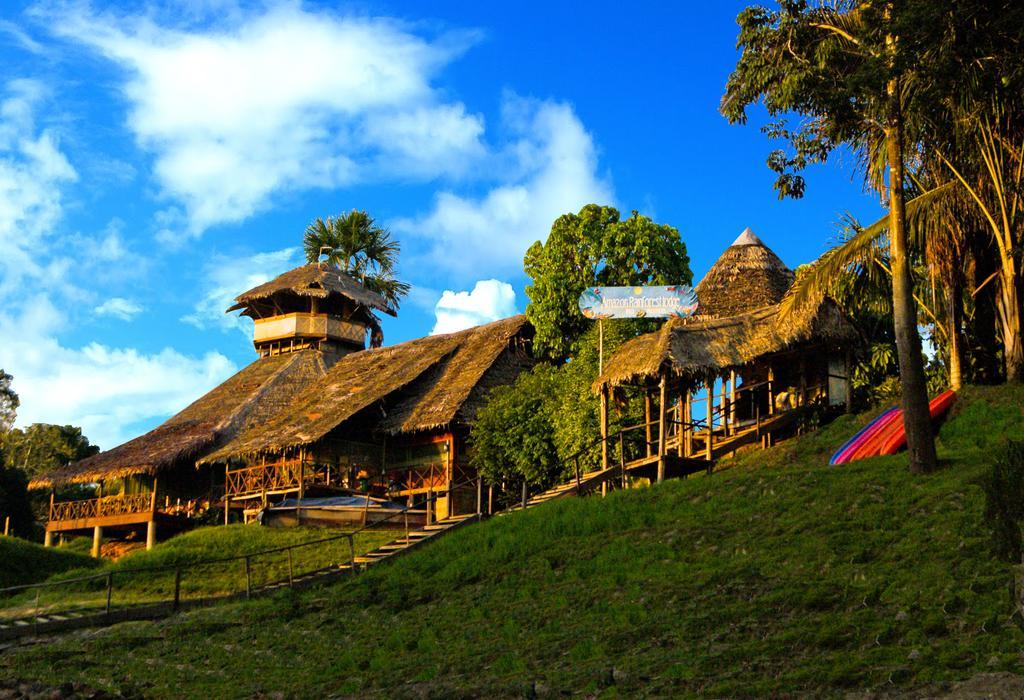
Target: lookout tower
[(313, 306)]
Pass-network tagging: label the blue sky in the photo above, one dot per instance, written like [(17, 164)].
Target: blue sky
[(156, 159)]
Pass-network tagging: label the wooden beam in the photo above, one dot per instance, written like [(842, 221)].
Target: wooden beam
[(647, 419), (662, 432), (732, 402), (688, 435), (604, 427)]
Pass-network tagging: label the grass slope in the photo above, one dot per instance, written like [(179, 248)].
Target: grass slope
[(25, 562), (149, 576), (778, 576)]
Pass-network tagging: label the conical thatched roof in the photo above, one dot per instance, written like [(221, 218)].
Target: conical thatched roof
[(248, 398), (422, 384), (315, 280), (691, 349), (747, 276)]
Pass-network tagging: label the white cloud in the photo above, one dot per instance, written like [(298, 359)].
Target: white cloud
[(102, 389), (551, 169), (225, 277), (118, 307), (282, 100), (32, 173), (490, 300)]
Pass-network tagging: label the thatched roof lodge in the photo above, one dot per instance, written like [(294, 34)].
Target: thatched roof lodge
[(766, 369), (402, 411)]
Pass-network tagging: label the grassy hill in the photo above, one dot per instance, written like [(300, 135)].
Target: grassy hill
[(779, 575), (145, 576), (23, 562)]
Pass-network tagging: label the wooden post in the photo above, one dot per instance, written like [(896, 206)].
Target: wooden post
[(490, 499), (524, 494), (803, 381), (622, 460), (352, 553), (151, 534), (97, 542), (291, 569), (681, 424), (479, 496), (429, 505), (50, 516), (248, 578), (48, 539), (110, 589), (711, 417), (688, 428), (662, 432), (604, 427), (302, 489), (732, 402), (771, 392), (647, 419), (7, 525), (152, 500)]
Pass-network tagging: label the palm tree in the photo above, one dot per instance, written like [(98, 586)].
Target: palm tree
[(355, 244)]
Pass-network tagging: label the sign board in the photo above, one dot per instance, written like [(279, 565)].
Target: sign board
[(677, 301)]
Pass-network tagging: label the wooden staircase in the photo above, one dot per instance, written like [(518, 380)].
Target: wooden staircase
[(587, 482)]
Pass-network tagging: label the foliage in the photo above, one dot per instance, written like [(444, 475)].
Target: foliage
[(9, 402), (14, 500), (1004, 501), (779, 577), (42, 447), (513, 437), (357, 245), (593, 248), (537, 427)]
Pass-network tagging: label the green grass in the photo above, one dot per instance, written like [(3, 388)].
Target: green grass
[(148, 576), (780, 576), (25, 562)]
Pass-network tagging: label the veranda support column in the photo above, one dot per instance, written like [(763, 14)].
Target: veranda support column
[(150, 534), (683, 420), (97, 542), (604, 427), (662, 432), (647, 419), (711, 417), (688, 434), (732, 402), (48, 539)]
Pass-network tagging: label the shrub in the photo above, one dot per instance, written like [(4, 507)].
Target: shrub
[(1004, 501)]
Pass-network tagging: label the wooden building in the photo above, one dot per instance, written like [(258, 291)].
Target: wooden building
[(306, 320), (732, 376), (393, 422)]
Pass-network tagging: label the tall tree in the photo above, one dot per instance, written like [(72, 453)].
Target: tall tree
[(849, 69), (356, 244), (41, 447), (592, 248), (9, 403)]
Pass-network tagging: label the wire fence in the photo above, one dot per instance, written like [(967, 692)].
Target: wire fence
[(240, 575)]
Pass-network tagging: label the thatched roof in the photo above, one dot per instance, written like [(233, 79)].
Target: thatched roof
[(246, 399), (747, 276), (687, 348), (432, 381), (316, 280)]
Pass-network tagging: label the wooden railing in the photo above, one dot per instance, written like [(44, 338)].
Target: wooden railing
[(278, 477), (102, 507), (422, 478)]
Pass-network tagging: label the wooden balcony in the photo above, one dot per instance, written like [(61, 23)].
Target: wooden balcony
[(307, 325), (278, 478), (108, 511)]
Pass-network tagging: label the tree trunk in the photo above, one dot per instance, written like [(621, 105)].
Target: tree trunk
[(1009, 311), (956, 345), (916, 418)]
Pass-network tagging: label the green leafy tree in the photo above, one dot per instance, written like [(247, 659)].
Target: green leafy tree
[(14, 500), (357, 245), (592, 248), (857, 73), (9, 403), (513, 436), (41, 447)]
